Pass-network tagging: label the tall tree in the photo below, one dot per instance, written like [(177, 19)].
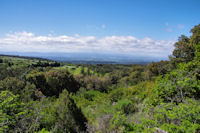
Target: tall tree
[(183, 51)]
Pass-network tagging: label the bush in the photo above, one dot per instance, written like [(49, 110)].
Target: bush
[(126, 106), (97, 83), (11, 111), (12, 84), (169, 117), (57, 81), (53, 82), (178, 84)]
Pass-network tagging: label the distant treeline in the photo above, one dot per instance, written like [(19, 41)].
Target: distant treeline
[(27, 57)]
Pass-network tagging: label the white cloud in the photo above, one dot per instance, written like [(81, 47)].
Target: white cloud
[(28, 42)]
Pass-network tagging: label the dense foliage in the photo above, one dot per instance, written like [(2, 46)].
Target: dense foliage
[(44, 96)]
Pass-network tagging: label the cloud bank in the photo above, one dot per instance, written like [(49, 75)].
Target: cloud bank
[(28, 42)]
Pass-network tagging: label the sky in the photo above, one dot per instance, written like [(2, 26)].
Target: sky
[(135, 27)]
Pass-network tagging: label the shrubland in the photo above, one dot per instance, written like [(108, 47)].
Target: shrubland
[(45, 96)]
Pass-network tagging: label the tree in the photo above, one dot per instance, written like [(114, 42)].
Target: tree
[(82, 70), (183, 52), (97, 83), (157, 68), (185, 47), (88, 71), (11, 111), (53, 82), (195, 41), (29, 93), (37, 78), (62, 115), (57, 81), (195, 38), (12, 84)]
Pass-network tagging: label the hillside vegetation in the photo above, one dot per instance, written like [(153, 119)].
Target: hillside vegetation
[(45, 96)]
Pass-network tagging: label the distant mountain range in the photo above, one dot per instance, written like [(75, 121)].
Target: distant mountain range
[(89, 58)]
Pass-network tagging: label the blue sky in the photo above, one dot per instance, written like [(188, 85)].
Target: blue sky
[(158, 20)]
